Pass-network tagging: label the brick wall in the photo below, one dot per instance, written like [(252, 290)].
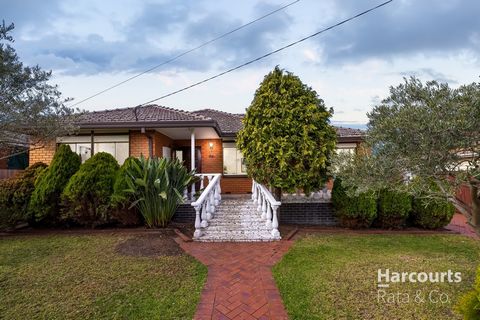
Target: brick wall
[(185, 213), (236, 185), (159, 141), (212, 160), (307, 213), (43, 153), (138, 144)]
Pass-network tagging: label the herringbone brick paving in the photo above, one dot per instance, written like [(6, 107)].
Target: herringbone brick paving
[(240, 284)]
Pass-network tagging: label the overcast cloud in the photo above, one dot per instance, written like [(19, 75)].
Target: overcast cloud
[(91, 45)]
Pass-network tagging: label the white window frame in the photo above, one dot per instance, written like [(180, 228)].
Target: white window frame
[(87, 140), (238, 160)]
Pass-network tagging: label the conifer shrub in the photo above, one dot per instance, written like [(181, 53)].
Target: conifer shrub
[(15, 194), (393, 208), (45, 201), (353, 211), (121, 212), (432, 213), (86, 198)]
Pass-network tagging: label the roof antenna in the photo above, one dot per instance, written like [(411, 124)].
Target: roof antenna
[(135, 112)]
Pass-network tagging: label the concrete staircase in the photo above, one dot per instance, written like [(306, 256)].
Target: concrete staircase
[(236, 219)]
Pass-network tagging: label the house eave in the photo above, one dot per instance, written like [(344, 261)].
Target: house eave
[(152, 125)]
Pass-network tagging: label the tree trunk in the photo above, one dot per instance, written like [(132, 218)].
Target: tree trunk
[(277, 193), (475, 221)]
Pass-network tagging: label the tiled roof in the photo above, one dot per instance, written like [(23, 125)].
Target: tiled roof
[(228, 122), (232, 123), (349, 132), (150, 113)]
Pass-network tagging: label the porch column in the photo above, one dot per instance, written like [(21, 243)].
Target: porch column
[(192, 157), (92, 143)]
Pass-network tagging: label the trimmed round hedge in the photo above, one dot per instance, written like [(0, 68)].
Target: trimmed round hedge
[(432, 214), (86, 197), (393, 209), (353, 211)]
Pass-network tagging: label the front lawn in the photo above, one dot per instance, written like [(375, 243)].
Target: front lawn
[(335, 276), (96, 277)]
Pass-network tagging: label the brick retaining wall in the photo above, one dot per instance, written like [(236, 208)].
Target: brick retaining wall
[(308, 213), (290, 213)]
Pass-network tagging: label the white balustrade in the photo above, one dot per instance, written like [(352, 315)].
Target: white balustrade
[(206, 203), (268, 207)]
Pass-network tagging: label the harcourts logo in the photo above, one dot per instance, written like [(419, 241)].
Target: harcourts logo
[(385, 277), (426, 294)]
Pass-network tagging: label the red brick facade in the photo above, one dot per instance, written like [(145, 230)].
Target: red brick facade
[(42, 153), (236, 185), (212, 158)]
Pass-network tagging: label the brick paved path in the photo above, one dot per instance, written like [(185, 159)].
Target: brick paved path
[(240, 284), (459, 224)]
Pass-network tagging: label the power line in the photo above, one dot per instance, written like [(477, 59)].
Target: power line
[(268, 54), (185, 53)]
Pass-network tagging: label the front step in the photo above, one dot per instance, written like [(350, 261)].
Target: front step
[(236, 220)]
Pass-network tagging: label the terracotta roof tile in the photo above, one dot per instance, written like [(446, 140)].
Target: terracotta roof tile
[(150, 113), (229, 123)]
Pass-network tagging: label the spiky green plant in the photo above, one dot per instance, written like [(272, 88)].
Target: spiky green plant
[(157, 186)]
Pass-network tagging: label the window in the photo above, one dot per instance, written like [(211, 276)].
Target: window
[(117, 146), (233, 161), (346, 148)]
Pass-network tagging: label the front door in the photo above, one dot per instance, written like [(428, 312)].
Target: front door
[(184, 154)]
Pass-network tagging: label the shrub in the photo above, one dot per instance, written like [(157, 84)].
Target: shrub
[(393, 208), (8, 215), (157, 186), (87, 195), (15, 195), (432, 213), (356, 211), (45, 200), (339, 194), (469, 304), (120, 201), (25, 188)]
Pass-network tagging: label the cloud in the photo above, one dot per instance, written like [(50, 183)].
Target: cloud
[(157, 32), (404, 28)]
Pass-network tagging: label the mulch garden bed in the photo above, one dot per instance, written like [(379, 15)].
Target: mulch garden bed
[(150, 245)]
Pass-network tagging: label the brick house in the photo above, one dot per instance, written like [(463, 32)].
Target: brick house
[(203, 139)]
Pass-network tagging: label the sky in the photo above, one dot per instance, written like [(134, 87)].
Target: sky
[(90, 45)]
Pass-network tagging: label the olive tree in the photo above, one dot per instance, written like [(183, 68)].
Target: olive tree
[(422, 135), (287, 139)]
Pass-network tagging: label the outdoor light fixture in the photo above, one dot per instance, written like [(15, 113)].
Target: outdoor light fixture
[(210, 145)]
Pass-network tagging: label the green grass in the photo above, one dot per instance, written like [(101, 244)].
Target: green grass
[(82, 277), (335, 276)]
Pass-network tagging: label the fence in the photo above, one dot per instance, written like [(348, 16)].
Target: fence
[(8, 173)]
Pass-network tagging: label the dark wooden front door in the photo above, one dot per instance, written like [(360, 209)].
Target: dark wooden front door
[(184, 153)]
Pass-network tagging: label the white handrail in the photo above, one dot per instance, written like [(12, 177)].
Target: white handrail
[(206, 203), (267, 205)]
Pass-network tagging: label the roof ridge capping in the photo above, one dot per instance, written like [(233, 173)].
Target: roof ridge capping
[(187, 113), (219, 111)]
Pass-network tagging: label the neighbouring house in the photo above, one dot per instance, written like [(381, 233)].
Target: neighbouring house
[(203, 139)]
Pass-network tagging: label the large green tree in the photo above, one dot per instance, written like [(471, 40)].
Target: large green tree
[(287, 139), (31, 110), (425, 139)]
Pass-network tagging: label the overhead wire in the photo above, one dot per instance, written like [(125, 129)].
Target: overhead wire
[(184, 53), (268, 54)]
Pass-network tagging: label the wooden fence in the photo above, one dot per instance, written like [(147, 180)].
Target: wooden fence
[(8, 173)]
